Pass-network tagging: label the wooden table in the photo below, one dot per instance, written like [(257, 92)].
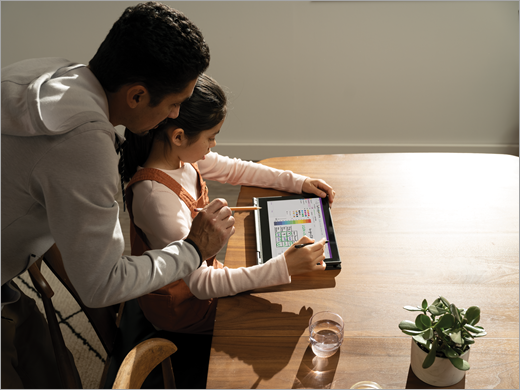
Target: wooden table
[(409, 227)]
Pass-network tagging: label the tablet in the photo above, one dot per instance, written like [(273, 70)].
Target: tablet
[(283, 220)]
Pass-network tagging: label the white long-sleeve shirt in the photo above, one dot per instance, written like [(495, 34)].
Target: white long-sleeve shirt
[(164, 217)]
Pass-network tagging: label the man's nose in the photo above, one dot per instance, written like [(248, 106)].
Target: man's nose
[(174, 113)]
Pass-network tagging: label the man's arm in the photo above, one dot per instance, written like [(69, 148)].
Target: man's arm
[(78, 183)]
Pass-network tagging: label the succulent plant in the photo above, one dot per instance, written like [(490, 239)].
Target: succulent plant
[(447, 331)]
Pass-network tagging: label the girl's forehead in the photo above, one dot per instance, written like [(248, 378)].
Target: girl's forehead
[(217, 128)]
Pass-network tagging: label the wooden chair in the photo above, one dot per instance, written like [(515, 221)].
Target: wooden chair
[(142, 359), (116, 337), (65, 362), (105, 320)]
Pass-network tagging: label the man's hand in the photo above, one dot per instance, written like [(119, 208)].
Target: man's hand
[(212, 228)]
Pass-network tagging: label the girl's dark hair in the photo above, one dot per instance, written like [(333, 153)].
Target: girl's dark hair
[(152, 44), (205, 109)]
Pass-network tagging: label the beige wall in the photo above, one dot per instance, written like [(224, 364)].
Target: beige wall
[(328, 77)]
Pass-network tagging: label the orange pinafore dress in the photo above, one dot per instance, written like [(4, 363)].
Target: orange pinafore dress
[(173, 307)]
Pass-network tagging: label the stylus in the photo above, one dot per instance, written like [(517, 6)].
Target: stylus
[(309, 243), (244, 208)]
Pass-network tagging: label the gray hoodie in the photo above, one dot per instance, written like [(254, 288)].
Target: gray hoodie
[(59, 183)]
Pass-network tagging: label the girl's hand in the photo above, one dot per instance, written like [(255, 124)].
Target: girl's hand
[(318, 187), (306, 259)]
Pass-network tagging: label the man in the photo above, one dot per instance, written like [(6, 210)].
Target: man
[(60, 178)]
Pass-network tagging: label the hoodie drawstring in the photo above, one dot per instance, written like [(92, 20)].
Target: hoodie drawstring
[(119, 151)]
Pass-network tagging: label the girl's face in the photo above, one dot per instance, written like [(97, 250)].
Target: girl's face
[(197, 150)]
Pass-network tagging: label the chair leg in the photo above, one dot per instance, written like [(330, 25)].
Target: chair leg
[(168, 376), (66, 366)]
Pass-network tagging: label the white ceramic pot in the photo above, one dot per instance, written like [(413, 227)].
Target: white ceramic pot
[(441, 373)]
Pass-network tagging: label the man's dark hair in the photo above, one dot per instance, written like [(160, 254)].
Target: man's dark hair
[(151, 44)]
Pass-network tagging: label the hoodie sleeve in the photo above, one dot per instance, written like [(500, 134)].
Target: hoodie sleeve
[(237, 172), (77, 182)]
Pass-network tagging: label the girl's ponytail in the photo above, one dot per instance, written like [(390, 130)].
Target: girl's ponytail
[(135, 153)]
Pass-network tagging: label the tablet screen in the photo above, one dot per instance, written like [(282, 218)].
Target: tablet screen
[(291, 219), (283, 220)]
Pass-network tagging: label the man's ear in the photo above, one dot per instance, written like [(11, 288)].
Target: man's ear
[(135, 95), (177, 136)]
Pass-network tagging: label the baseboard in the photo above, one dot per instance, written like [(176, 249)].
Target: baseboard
[(262, 151)]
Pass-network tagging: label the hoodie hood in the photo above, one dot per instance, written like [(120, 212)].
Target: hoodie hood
[(50, 96)]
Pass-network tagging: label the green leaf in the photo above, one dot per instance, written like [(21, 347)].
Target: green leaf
[(411, 332), (426, 320), (445, 301), (408, 325), (468, 341), (442, 336), (473, 315), (428, 334), (424, 304), (456, 337), (423, 322), (446, 321), (450, 353), (412, 308), (430, 358), (420, 339), (435, 310), (409, 328), (459, 363), (455, 312), (473, 329)]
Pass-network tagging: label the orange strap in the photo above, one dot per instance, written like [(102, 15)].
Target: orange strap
[(165, 179), (173, 307)]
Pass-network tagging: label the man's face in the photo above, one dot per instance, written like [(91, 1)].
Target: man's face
[(145, 118)]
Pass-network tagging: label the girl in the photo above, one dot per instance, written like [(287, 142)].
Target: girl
[(165, 169)]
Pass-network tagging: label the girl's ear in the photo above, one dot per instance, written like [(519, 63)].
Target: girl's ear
[(177, 136)]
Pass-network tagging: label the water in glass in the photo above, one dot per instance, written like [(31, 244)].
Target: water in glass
[(325, 337)]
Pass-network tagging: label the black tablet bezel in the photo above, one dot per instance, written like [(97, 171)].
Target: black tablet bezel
[(261, 217)]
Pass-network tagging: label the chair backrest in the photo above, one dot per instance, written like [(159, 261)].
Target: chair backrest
[(116, 335), (65, 362), (103, 320), (142, 359)]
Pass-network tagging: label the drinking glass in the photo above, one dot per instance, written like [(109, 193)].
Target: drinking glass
[(366, 385), (326, 333)]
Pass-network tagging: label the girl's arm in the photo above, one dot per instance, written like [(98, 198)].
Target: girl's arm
[(208, 282), (237, 172)]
